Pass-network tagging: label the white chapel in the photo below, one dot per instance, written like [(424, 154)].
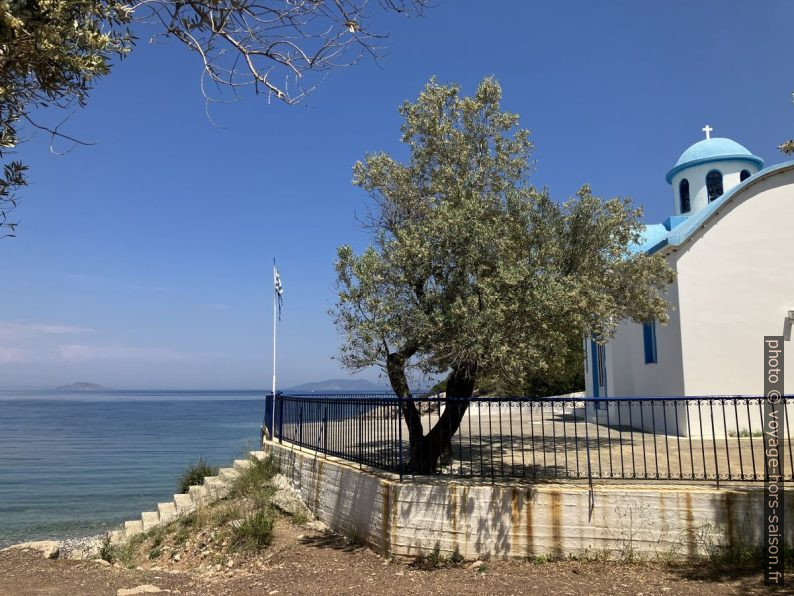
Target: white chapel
[(730, 241)]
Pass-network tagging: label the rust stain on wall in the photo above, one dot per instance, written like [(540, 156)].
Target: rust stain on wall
[(385, 524), (691, 547), (556, 523), (453, 507), (394, 523), (515, 520), (453, 515), (318, 483), (529, 529), (464, 519), (728, 500)]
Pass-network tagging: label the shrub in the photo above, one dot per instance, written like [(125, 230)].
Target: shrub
[(106, 550), (224, 513), (195, 474), (254, 532), (123, 553), (253, 479)]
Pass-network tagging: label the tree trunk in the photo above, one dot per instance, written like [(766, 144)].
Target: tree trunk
[(425, 450)]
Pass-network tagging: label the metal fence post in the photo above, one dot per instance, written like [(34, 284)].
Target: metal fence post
[(714, 442), (325, 429), (280, 400), (300, 427), (360, 438), (400, 435)]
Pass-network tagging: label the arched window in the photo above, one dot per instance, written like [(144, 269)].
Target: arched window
[(714, 184), (744, 175), (683, 194)]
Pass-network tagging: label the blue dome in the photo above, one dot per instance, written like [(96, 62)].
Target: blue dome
[(716, 149)]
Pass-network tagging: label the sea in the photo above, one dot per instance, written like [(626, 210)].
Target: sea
[(75, 464)]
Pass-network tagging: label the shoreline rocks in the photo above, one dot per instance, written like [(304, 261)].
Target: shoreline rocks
[(48, 548), (87, 547), (84, 547)]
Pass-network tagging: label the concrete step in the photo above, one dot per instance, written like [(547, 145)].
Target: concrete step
[(260, 455), (167, 511), (183, 504), (150, 519), (242, 464), (228, 474), (217, 488), (198, 493), (131, 528)]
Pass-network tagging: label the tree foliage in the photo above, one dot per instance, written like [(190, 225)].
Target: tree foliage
[(53, 51), (272, 45), (471, 271)]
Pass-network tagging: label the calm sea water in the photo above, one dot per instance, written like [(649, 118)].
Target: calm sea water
[(74, 464)]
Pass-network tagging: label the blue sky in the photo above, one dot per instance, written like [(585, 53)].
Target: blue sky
[(144, 261)]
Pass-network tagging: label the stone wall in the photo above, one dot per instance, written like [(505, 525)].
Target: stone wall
[(502, 520)]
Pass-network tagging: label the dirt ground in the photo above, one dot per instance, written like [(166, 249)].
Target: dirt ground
[(302, 561)]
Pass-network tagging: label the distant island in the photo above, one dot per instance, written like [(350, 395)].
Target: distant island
[(81, 387), (339, 385)]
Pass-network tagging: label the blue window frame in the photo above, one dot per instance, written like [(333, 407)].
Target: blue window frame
[(649, 340), (599, 368)]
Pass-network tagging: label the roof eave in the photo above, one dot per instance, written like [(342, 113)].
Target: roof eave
[(696, 221), (737, 157)]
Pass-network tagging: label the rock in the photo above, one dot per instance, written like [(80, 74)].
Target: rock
[(289, 501), (86, 547), (316, 525), (103, 562), (48, 548), (142, 589), (280, 482), (476, 565)]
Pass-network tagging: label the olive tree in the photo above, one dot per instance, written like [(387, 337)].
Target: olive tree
[(473, 272), (53, 51)]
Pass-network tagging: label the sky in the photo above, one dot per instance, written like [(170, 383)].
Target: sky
[(144, 260)]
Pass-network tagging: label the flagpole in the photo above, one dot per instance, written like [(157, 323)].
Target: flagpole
[(275, 323)]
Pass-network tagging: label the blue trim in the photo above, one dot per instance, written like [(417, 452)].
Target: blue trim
[(694, 222), (736, 157), (594, 367), (674, 220)]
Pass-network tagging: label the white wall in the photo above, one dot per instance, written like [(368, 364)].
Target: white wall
[(627, 373), (736, 285), (477, 521), (696, 175)]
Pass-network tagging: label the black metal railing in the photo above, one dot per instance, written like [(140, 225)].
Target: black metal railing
[(683, 439)]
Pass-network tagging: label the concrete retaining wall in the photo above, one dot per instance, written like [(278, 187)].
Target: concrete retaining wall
[(475, 520)]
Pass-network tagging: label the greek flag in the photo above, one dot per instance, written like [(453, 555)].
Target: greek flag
[(278, 289)]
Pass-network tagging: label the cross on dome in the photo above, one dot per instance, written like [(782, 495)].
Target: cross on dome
[(707, 129)]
